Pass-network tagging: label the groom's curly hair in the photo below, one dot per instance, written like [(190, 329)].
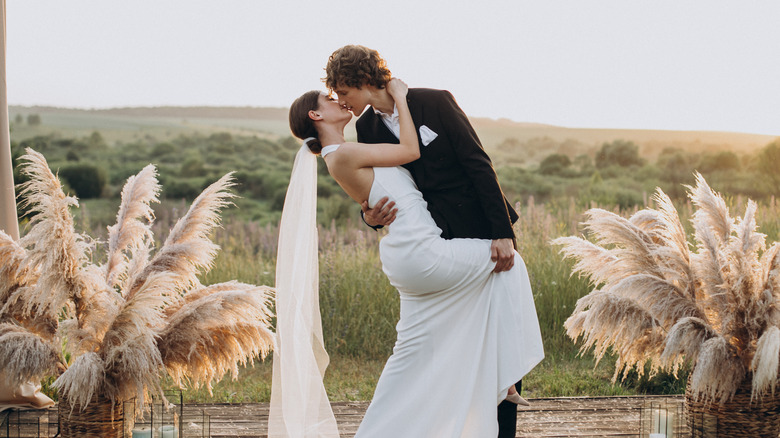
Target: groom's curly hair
[(356, 66)]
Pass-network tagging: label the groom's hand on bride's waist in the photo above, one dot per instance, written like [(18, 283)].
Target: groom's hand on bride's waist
[(502, 251), (382, 215)]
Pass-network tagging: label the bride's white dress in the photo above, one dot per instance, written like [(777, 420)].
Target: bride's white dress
[(465, 334)]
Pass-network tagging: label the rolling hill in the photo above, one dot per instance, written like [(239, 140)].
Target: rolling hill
[(507, 141)]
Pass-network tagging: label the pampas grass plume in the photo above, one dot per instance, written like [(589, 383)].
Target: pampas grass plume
[(206, 335), (656, 299), (132, 320), (24, 356), (766, 362)]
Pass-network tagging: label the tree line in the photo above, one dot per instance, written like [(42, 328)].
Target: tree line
[(616, 174)]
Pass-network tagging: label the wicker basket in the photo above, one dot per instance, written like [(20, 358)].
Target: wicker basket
[(100, 419), (737, 417)]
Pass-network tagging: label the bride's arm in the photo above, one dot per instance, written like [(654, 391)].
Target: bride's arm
[(352, 165), (389, 154)]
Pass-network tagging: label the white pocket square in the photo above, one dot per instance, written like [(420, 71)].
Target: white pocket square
[(427, 135)]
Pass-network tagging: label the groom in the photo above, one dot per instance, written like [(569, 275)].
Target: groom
[(454, 174)]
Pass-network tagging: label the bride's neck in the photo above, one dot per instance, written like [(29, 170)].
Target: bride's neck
[(330, 134)]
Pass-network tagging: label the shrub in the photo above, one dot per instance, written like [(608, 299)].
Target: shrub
[(618, 153), (677, 168), (181, 188), (767, 165), (86, 180), (33, 119), (39, 143), (725, 161), (193, 167), (616, 192), (554, 164), (221, 138), (584, 164), (95, 141), (520, 184), (162, 149)]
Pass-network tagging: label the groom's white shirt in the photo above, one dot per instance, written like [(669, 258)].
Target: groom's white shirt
[(391, 121)]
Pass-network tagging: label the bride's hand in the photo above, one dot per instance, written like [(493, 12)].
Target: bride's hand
[(397, 88)]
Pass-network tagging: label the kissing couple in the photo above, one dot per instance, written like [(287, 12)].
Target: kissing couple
[(468, 330)]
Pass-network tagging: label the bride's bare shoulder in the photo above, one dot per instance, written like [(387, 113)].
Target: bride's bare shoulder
[(340, 157), (343, 151), (352, 155)]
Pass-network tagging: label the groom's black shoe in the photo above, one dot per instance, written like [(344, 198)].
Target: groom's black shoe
[(507, 416)]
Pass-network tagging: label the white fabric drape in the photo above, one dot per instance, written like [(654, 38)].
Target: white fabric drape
[(28, 394), (8, 221), (299, 403)]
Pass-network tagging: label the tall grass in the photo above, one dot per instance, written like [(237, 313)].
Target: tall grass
[(360, 309)]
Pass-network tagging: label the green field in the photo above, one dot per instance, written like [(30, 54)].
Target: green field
[(127, 125), (552, 174), (359, 308)]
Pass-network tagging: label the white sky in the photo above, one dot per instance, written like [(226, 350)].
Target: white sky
[(660, 64)]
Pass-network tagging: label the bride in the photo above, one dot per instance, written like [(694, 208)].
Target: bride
[(459, 321)]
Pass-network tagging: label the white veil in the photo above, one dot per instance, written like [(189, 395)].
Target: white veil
[(299, 403)]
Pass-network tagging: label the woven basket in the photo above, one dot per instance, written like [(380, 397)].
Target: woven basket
[(737, 417), (100, 419)]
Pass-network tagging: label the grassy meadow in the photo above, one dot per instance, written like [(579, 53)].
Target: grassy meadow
[(360, 309), (553, 174)]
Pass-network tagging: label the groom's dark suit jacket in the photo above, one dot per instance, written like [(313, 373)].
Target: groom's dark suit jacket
[(454, 173)]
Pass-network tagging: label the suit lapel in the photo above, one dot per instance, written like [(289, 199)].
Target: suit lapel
[(382, 132), (416, 110), (416, 167)]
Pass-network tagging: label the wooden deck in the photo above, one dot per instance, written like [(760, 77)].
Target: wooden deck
[(546, 417)]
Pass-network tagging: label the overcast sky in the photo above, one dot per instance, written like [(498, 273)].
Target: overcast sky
[(681, 64)]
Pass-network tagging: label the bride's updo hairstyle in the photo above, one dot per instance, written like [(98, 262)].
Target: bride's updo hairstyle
[(301, 125)]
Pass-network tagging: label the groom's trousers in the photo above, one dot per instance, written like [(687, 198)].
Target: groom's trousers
[(507, 416)]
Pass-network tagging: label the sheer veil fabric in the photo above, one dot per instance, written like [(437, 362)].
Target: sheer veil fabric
[(299, 403)]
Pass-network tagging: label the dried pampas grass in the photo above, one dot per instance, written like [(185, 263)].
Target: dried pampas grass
[(133, 319), (626, 327), (188, 249), (206, 335), (24, 356), (718, 371), (658, 300), (16, 282), (685, 339), (54, 250), (85, 378), (766, 362), (12, 272), (133, 223)]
